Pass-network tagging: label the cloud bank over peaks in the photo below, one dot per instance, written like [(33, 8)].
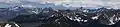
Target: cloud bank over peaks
[(72, 3)]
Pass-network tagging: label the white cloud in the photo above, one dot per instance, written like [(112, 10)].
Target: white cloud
[(86, 3), (75, 3), (12, 1)]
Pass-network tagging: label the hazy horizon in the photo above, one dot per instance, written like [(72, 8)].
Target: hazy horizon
[(71, 3)]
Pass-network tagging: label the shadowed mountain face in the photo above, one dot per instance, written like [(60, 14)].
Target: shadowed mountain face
[(49, 17)]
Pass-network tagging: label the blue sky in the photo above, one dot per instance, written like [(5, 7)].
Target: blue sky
[(73, 3)]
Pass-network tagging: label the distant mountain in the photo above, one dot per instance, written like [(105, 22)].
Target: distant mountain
[(39, 5)]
